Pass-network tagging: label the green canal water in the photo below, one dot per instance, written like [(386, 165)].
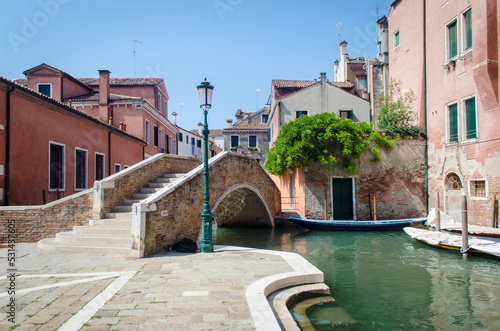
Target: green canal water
[(386, 280)]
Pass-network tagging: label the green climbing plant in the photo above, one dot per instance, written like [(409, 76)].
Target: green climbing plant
[(395, 114), (323, 138)]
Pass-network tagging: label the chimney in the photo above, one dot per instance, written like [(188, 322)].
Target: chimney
[(336, 66), (174, 116), (200, 128), (322, 77), (104, 113), (343, 48), (229, 122)]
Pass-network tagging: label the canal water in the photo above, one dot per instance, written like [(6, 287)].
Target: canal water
[(386, 280)]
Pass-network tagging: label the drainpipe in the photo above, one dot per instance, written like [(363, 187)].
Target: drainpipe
[(426, 185), (109, 151), (7, 147), (144, 151)]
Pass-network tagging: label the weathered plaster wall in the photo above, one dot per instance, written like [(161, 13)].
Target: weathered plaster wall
[(397, 182)]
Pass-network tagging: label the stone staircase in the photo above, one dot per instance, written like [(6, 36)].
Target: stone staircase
[(110, 235)]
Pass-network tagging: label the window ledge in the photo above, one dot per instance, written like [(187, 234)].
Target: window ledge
[(470, 141), (57, 189), (479, 198), (454, 143), (466, 53)]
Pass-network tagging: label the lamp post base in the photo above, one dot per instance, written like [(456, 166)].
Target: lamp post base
[(206, 248)]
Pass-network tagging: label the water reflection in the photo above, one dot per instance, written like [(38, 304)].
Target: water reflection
[(385, 280)]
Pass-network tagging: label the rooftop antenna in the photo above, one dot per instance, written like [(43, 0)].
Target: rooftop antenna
[(181, 105), (135, 42), (339, 28), (257, 92)]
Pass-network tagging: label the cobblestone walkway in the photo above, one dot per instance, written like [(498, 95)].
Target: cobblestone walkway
[(170, 291)]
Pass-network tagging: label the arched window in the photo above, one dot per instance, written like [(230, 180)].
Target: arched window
[(453, 182)]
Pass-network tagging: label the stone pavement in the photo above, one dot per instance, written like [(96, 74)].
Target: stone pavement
[(169, 291)]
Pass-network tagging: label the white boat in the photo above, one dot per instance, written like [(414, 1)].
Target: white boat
[(453, 242)]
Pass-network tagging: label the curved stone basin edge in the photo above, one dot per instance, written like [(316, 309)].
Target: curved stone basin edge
[(256, 293)]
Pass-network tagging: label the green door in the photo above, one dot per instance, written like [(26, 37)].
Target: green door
[(342, 199)]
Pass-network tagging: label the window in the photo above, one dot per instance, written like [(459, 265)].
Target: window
[(45, 89), (396, 39), (179, 136), (235, 141), (118, 167), (362, 83), (159, 102), (346, 114), (80, 169), (126, 167), (175, 147), (265, 118), (467, 30), (252, 141), (198, 143), (453, 123), (268, 134), (56, 166), (187, 139), (451, 40), (99, 166), (159, 140), (299, 113), (147, 131), (478, 188), (155, 135), (192, 141), (470, 118), (167, 143)]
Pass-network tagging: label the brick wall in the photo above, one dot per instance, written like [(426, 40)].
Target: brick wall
[(33, 223), (114, 189), (397, 182), (177, 214)]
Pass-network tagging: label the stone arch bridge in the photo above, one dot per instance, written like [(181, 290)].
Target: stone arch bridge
[(241, 193)]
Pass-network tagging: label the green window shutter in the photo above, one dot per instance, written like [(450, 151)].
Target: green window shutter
[(470, 118), (396, 39), (468, 29), (452, 40), (453, 122), (235, 141), (252, 141)]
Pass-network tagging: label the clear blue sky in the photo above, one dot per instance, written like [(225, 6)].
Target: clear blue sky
[(239, 45)]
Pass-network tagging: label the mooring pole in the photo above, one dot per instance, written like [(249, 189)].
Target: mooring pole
[(465, 232), (374, 207), (493, 211), (438, 214)]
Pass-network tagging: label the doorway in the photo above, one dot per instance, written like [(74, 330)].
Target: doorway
[(343, 203)]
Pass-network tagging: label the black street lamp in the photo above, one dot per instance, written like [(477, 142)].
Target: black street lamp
[(205, 93)]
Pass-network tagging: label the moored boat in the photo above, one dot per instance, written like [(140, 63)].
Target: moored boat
[(349, 225), (453, 242)]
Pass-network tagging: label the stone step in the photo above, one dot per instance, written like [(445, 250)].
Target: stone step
[(158, 185), (114, 222), (125, 208), (130, 202), (150, 190), (173, 175), (104, 230), (165, 180), (141, 196), (51, 245), (93, 239), (121, 215)]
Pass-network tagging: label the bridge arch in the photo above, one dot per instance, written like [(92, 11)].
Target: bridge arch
[(238, 204)]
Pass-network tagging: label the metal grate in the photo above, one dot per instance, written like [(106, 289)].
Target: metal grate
[(453, 182)]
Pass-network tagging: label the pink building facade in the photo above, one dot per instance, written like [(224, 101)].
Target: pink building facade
[(448, 53), (49, 150)]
